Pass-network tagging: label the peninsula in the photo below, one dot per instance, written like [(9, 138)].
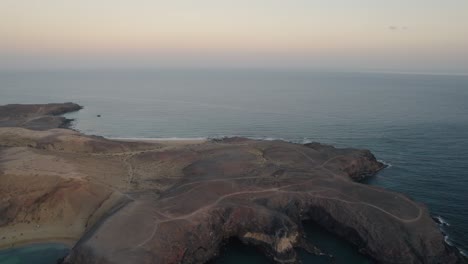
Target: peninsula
[(118, 202)]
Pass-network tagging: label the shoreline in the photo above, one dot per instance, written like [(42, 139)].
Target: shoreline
[(69, 242), (164, 141)]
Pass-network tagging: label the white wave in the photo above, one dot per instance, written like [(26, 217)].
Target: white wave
[(306, 141), (442, 221), (268, 138), (297, 141), (387, 164), (254, 138), (448, 241)]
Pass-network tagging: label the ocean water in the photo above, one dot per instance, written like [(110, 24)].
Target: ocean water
[(416, 123)]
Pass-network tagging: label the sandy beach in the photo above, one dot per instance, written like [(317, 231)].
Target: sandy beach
[(165, 141)]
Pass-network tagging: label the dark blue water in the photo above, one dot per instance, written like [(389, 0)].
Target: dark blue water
[(336, 250), (340, 250), (416, 123)]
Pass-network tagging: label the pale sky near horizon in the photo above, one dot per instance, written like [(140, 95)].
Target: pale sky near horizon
[(398, 35)]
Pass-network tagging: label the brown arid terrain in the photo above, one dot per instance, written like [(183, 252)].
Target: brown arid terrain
[(171, 202)]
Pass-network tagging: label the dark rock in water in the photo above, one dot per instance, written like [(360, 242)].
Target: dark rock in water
[(98, 115), (139, 202)]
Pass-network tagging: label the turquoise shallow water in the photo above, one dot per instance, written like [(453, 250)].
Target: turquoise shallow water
[(416, 123), (34, 254)]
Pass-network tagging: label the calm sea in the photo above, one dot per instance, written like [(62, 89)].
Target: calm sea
[(416, 123)]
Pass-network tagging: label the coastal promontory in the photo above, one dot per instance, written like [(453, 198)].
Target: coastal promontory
[(119, 201)]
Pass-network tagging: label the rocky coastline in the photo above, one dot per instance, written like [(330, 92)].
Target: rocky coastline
[(158, 202)]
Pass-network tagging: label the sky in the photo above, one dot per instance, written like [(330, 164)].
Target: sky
[(373, 35)]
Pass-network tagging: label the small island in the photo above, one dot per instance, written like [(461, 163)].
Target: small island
[(116, 201)]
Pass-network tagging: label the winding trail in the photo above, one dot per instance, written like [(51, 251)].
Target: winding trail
[(130, 171)]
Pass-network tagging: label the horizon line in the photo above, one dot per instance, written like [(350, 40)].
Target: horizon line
[(225, 68)]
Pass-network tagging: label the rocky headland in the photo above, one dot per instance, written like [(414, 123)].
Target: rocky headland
[(145, 202), (36, 116)]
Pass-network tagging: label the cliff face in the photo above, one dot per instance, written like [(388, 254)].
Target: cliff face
[(163, 203)]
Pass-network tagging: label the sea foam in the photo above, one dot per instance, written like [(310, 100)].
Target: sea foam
[(441, 221), (387, 164)]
